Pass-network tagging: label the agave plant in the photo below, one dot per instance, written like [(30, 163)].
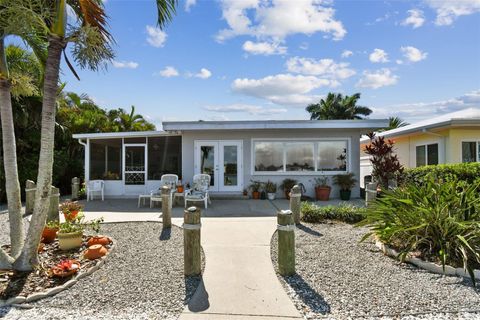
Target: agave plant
[(439, 219)]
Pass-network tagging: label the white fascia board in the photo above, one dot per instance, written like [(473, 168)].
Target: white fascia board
[(131, 134)]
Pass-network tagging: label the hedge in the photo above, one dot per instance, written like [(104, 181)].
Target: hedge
[(346, 213), (468, 172)]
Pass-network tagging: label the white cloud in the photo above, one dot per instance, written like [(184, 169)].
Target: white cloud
[(263, 48), (378, 56), (347, 53), (415, 18), (413, 54), (189, 4), (168, 72), (398, 61), (156, 37), (448, 11), (203, 74), (247, 108), (283, 89), (125, 64), (304, 46), (277, 19), (324, 67), (377, 79)]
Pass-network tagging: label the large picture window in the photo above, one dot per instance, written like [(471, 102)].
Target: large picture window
[(164, 156), (470, 151), (106, 159), (293, 157), (426, 154)]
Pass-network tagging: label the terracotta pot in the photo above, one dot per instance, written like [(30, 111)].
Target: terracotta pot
[(58, 272), (180, 189), (322, 193), (71, 216), (68, 241), (49, 234), (41, 247), (94, 252), (256, 195), (99, 240)]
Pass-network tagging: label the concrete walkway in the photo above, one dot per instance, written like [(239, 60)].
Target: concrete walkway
[(239, 281)]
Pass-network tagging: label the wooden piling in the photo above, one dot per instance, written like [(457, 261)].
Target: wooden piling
[(75, 188), (286, 243), (191, 242), (166, 207), (53, 211), (370, 193), (295, 203)]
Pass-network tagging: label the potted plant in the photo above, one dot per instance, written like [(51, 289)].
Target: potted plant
[(70, 233), (322, 189), (66, 268), (70, 209), (179, 187), (271, 189), (346, 183), (49, 232), (287, 185), (255, 186)]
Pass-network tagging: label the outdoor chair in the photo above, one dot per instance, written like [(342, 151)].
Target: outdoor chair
[(199, 190), (95, 186), (170, 180)]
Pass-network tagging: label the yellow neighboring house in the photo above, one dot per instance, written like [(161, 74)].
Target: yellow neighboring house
[(450, 138)]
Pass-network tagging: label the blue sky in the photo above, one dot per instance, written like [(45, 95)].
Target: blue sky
[(257, 59)]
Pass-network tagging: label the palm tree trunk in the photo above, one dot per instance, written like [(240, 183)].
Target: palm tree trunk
[(12, 184), (29, 257)]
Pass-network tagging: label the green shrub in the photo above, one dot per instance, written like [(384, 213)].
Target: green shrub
[(469, 172), (346, 213), (439, 221)]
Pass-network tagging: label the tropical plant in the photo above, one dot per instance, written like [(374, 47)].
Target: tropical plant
[(255, 185), (120, 120), (345, 181), (438, 220), (338, 107), (270, 187), (321, 181), (385, 163), (394, 123), (316, 214), (287, 184)]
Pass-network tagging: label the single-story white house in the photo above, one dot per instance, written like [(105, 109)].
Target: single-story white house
[(232, 152)]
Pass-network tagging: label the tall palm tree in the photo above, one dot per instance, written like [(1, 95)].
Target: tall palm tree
[(396, 122), (338, 107), (123, 121)]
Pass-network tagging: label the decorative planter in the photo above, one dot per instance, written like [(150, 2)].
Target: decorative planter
[(180, 189), (94, 252), (271, 196), (263, 195), (345, 194), (49, 234), (102, 240), (71, 216), (68, 241), (322, 193), (256, 195), (58, 272)]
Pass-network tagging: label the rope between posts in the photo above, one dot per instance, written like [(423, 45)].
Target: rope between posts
[(288, 227), (189, 226), (295, 195)]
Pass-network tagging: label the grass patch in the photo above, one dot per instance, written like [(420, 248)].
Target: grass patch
[(344, 212)]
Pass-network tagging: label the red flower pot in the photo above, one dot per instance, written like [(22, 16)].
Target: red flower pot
[(256, 195), (49, 234), (62, 273), (102, 240), (322, 193), (94, 252)]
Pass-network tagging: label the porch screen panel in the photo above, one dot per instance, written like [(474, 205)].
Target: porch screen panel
[(106, 159), (164, 157), (268, 156), (332, 155)]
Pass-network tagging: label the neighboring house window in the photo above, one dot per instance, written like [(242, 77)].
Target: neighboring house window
[(427, 154), (106, 159), (164, 156), (300, 156), (470, 151)]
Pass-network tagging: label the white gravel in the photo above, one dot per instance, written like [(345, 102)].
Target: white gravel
[(142, 279), (338, 277)]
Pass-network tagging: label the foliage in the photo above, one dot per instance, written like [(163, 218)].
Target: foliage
[(345, 212), (441, 221), (394, 123), (270, 187), (385, 162), (79, 225), (468, 172), (288, 184), (321, 181), (255, 185), (345, 181), (69, 206), (338, 107)]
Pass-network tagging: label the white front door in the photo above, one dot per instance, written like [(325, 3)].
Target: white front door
[(134, 168), (222, 160)]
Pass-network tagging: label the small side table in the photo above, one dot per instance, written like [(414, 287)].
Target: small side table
[(142, 198)]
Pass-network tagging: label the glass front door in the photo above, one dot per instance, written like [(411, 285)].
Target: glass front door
[(222, 160)]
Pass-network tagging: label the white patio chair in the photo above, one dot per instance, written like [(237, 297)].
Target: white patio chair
[(170, 180), (95, 186), (199, 191)]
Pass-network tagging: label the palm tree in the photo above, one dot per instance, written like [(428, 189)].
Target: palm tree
[(337, 107), (122, 121), (396, 122), (91, 49)]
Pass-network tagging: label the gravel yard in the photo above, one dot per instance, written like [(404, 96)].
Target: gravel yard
[(142, 279), (337, 277)]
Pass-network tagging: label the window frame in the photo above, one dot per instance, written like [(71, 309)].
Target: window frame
[(477, 155), (426, 153), (315, 172)]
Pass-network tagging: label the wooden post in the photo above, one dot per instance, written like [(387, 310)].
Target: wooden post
[(286, 243), (30, 188), (53, 212), (75, 188), (295, 199), (370, 192), (166, 207), (191, 242)]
